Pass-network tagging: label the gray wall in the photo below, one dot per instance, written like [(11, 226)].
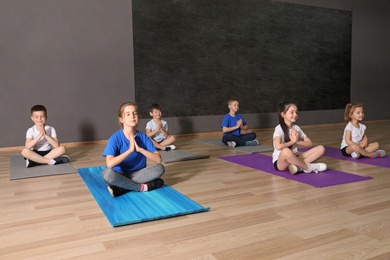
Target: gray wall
[(76, 58)]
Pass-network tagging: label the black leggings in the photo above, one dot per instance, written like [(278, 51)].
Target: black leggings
[(344, 152)]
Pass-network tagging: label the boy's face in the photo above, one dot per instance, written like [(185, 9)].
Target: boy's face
[(39, 118), (234, 106), (156, 113)]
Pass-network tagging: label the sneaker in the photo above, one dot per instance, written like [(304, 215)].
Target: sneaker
[(62, 159), (294, 169), (170, 147), (355, 155), (379, 153), (253, 143), (30, 163), (116, 191), (157, 183), (231, 144), (316, 167)]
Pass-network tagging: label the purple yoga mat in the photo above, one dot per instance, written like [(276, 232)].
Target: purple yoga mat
[(263, 163), (336, 154)]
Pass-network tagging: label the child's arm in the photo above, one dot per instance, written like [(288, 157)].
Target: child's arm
[(364, 142), (226, 129), (112, 161), (306, 142), (31, 142), (149, 132), (52, 140), (348, 138), (279, 145), (163, 131), (156, 157)]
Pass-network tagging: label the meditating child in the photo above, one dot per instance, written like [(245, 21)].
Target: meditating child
[(355, 141), (42, 145), (126, 153), (286, 137), (157, 130), (232, 124)]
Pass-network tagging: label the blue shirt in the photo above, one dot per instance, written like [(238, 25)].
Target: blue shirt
[(118, 144), (229, 121)]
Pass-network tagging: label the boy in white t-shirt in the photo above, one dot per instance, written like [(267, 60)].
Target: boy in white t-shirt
[(157, 130), (42, 145)]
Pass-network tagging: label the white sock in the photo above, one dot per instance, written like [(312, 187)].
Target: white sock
[(52, 162)]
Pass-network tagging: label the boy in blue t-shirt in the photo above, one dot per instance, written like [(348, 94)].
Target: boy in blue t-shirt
[(232, 124)]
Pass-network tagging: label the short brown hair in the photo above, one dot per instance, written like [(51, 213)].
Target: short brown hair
[(39, 108)]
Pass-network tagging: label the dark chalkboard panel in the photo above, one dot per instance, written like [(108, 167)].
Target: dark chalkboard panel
[(191, 56)]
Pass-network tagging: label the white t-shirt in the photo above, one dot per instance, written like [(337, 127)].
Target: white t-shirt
[(279, 132), (159, 136), (42, 144), (357, 134)]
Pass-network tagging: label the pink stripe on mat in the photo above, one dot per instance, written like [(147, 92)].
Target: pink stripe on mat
[(263, 163)]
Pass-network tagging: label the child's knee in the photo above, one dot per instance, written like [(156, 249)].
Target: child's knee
[(160, 168), (62, 149), (321, 149), (108, 175), (25, 152), (286, 152)]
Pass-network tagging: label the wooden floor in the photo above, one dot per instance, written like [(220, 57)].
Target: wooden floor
[(254, 215)]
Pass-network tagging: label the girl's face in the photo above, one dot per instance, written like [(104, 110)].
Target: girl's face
[(358, 114), (129, 116), (39, 118), (291, 115)]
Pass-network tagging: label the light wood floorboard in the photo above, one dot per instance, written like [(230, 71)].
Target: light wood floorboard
[(254, 215)]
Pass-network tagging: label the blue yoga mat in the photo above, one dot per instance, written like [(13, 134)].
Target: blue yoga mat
[(136, 207), (323, 179)]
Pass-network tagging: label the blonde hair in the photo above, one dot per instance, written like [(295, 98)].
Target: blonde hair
[(349, 109), (121, 110)]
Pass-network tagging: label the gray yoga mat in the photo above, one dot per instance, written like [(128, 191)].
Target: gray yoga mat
[(248, 149), (180, 155), (18, 169)]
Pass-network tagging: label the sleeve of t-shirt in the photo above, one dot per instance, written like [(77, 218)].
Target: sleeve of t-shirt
[(165, 126), (278, 132), (29, 133), (148, 126), (110, 147), (53, 132), (364, 128), (225, 121), (301, 134)]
